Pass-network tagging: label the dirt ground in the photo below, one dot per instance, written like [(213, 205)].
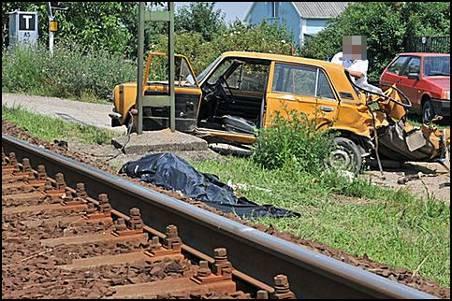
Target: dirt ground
[(425, 179), (434, 180), (115, 158)]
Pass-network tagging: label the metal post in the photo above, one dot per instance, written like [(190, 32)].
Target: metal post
[(50, 39), (50, 15), (171, 67), (140, 67)]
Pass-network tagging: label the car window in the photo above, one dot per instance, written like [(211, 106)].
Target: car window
[(437, 66), (414, 66), (323, 87), (397, 66), (249, 77), (221, 69), (159, 71), (204, 73), (184, 75), (299, 80)]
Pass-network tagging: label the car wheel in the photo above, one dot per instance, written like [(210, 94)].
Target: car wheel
[(345, 156), (427, 112)]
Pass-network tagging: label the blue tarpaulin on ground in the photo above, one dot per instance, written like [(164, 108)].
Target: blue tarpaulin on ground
[(169, 171)]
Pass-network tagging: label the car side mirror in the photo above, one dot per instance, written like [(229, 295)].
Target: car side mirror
[(413, 76)]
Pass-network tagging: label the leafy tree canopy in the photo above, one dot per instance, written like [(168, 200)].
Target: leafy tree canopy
[(388, 27), (200, 17)]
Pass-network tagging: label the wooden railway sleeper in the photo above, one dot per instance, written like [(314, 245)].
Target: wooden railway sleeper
[(217, 277)]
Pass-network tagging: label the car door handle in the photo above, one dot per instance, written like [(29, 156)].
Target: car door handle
[(326, 109)]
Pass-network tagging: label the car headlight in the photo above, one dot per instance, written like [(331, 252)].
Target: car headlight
[(446, 95)]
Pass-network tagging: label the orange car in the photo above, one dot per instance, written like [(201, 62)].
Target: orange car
[(240, 92)]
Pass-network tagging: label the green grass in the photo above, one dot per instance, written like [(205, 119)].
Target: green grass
[(49, 128), (391, 227)]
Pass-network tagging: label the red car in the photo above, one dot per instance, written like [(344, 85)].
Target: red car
[(425, 79)]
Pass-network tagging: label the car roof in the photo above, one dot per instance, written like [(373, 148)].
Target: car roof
[(425, 54), (281, 58)]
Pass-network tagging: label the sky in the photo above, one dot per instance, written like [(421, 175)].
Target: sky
[(232, 10)]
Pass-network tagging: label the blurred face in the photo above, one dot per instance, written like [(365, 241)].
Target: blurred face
[(354, 47)]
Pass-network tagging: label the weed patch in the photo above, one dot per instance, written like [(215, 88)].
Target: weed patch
[(72, 72), (392, 227), (293, 142)]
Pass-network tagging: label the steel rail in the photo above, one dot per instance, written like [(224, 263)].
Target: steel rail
[(259, 255)]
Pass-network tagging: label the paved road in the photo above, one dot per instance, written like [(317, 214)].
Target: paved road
[(70, 110)]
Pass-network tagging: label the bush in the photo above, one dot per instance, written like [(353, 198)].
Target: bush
[(22, 69), (293, 142), (238, 37), (71, 72)]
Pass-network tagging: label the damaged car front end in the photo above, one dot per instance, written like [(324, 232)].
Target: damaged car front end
[(396, 138)]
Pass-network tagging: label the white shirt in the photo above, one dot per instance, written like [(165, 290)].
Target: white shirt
[(353, 65)]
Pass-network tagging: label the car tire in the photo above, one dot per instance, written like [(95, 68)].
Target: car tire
[(345, 156), (428, 112)]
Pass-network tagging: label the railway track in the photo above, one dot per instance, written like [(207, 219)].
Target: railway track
[(71, 230)]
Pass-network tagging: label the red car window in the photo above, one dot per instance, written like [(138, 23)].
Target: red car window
[(414, 66), (437, 66), (398, 65)]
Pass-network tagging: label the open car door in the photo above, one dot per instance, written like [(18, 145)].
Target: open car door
[(156, 108), (234, 96)]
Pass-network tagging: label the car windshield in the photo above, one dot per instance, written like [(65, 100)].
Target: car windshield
[(159, 71), (204, 73), (437, 66)]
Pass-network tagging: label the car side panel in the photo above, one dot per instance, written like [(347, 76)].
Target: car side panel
[(348, 114)]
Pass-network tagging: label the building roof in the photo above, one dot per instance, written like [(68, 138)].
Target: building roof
[(320, 10)]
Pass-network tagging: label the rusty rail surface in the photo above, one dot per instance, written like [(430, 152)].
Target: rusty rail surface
[(259, 255), (59, 242)]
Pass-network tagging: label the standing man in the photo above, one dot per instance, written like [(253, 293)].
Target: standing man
[(354, 60)]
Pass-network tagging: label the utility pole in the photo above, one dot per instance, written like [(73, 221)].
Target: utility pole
[(53, 25), (140, 67), (171, 68), (156, 100), (51, 19)]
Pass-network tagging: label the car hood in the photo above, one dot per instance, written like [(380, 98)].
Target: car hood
[(442, 82)]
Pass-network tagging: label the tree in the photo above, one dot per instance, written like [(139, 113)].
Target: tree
[(94, 25), (238, 37), (387, 25), (200, 17), (427, 18), (97, 25)]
